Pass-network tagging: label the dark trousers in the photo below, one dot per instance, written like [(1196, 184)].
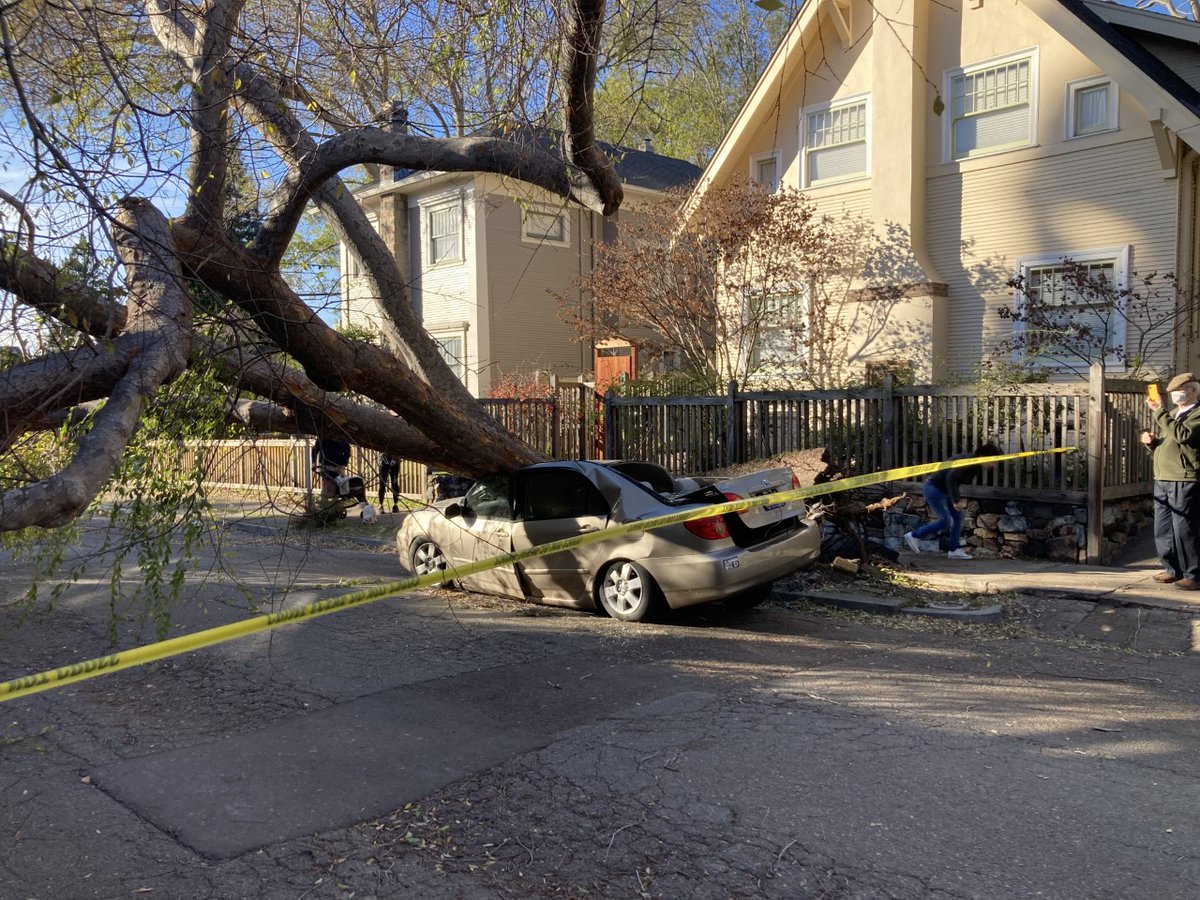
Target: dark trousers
[(1177, 527), (389, 472)]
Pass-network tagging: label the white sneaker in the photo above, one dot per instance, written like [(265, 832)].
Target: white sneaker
[(959, 554), (913, 544)]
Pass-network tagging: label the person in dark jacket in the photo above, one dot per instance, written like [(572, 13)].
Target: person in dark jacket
[(330, 458), (941, 490), (1176, 444), (389, 470)]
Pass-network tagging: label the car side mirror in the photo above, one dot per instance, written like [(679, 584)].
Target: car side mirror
[(454, 509)]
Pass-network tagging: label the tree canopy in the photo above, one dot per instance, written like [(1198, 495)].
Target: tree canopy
[(183, 143)]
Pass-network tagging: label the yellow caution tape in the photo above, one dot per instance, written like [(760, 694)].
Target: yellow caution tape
[(101, 665)]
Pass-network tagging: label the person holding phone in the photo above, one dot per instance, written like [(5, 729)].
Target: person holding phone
[(1176, 445)]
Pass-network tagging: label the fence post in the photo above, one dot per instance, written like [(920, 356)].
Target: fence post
[(610, 427), (582, 395), (733, 431), (1095, 465), (887, 423), (306, 465), (555, 422)]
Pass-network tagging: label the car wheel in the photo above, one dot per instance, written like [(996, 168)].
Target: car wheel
[(627, 592), (750, 597), (427, 557)]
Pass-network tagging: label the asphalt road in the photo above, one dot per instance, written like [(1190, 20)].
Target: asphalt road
[(441, 745)]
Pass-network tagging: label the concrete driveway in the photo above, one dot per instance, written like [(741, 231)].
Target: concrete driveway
[(440, 745)]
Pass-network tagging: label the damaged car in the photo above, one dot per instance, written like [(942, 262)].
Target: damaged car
[(733, 557)]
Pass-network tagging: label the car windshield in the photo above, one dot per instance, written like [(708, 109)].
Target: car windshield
[(490, 497)]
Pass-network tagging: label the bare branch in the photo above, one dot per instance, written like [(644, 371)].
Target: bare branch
[(161, 322), (40, 285)]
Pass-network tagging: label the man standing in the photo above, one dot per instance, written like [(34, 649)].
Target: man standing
[(1176, 444), (389, 471)]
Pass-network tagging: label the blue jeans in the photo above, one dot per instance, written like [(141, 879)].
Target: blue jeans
[(947, 516)]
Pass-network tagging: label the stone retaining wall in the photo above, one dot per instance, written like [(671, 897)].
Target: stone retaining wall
[(1023, 529)]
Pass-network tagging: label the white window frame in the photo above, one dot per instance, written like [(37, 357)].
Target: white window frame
[(759, 158), (948, 78), (1074, 88), (457, 207), (458, 365), (841, 103), (1121, 257), (535, 209), (803, 305)]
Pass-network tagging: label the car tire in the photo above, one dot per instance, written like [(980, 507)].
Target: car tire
[(426, 557), (626, 591), (751, 597)]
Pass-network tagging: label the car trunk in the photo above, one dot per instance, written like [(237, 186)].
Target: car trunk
[(760, 523)]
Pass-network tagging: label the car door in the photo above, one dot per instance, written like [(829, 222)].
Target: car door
[(554, 504), (486, 520)]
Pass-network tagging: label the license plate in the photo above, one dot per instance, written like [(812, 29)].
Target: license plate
[(732, 563), (771, 506)]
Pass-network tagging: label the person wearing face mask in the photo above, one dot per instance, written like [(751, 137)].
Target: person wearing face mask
[(1176, 444)]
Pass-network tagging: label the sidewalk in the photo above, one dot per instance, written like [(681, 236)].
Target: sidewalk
[(1129, 582)]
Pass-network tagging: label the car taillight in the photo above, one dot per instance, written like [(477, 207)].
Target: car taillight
[(795, 482), (711, 529)]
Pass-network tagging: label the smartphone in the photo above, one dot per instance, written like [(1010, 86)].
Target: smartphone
[(1152, 393)]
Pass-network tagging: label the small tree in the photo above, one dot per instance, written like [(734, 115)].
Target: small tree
[(750, 286), (1068, 316)]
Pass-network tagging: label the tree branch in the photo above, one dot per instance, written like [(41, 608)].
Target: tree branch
[(40, 284), (161, 321)]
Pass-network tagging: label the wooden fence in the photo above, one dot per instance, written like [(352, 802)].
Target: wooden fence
[(286, 465), (892, 427), (865, 430)]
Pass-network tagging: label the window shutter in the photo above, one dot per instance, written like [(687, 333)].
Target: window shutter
[(837, 162), (991, 130)]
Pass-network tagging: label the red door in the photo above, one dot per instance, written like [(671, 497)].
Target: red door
[(615, 361)]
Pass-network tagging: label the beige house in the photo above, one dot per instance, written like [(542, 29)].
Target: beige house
[(485, 256), (998, 137)]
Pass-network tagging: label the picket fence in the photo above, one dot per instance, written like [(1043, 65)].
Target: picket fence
[(864, 430)]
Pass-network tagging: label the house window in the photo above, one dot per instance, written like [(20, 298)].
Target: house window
[(451, 347), (764, 170), (779, 325), (991, 107), (1091, 106), (544, 226), (1072, 306), (835, 142), (445, 234)]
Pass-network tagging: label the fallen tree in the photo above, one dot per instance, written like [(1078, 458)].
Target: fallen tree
[(193, 293)]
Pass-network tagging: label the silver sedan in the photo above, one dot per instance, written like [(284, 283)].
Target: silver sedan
[(732, 557)]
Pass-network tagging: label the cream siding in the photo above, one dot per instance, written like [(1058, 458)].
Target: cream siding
[(359, 306), (527, 332), (442, 292), (971, 220), (984, 220)]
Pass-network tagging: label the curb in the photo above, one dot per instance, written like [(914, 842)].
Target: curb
[(272, 531), (890, 606)]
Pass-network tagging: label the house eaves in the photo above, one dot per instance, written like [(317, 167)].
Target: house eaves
[(1167, 97), (731, 146)]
